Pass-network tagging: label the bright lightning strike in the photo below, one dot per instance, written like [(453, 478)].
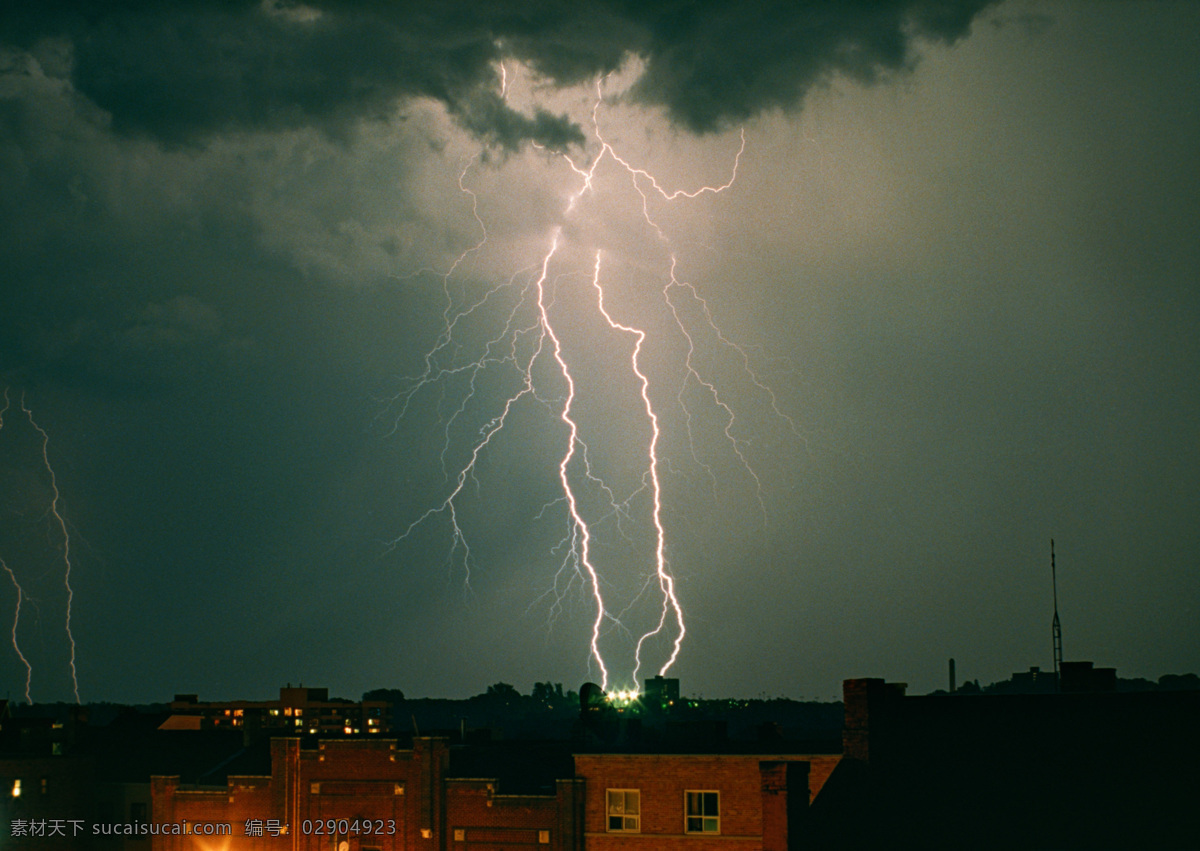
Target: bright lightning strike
[(59, 526), (665, 581), (528, 343)]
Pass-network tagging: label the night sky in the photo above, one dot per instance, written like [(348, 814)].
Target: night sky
[(948, 309)]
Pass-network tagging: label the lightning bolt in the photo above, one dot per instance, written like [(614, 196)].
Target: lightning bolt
[(20, 593), (582, 533), (65, 548), (666, 582), (16, 622), (526, 338)]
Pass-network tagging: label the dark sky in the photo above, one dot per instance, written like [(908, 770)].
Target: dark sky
[(948, 309)]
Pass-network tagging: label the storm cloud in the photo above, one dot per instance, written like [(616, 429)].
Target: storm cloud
[(182, 72)]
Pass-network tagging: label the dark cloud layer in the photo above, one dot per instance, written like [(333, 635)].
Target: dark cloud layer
[(181, 72)]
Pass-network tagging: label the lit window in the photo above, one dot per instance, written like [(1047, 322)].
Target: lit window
[(543, 837), (703, 812), (16, 788), (460, 835), (299, 711), (624, 810)]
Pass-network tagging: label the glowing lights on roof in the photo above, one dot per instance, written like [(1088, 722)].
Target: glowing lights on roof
[(622, 698)]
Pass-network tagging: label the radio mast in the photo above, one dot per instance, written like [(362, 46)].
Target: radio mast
[(1055, 626)]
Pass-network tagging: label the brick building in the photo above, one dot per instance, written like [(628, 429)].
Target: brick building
[(698, 801), (374, 795)]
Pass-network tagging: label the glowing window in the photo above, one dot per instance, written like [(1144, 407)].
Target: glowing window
[(703, 812), (624, 810), (543, 837)]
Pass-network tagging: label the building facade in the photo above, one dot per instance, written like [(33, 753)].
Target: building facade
[(373, 795), (697, 801)]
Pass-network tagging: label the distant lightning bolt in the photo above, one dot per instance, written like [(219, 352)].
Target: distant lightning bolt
[(16, 621), (526, 334), (52, 511), (66, 540), (20, 593)]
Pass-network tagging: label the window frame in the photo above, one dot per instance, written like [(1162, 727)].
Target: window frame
[(702, 817), (625, 816)]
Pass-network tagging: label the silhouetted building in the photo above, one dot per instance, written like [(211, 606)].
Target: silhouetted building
[(1078, 677), (297, 711), (1081, 770), (660, 694), (1033, 681)]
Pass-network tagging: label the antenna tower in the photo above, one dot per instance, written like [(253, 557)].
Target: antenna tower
[(1055, 626)]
